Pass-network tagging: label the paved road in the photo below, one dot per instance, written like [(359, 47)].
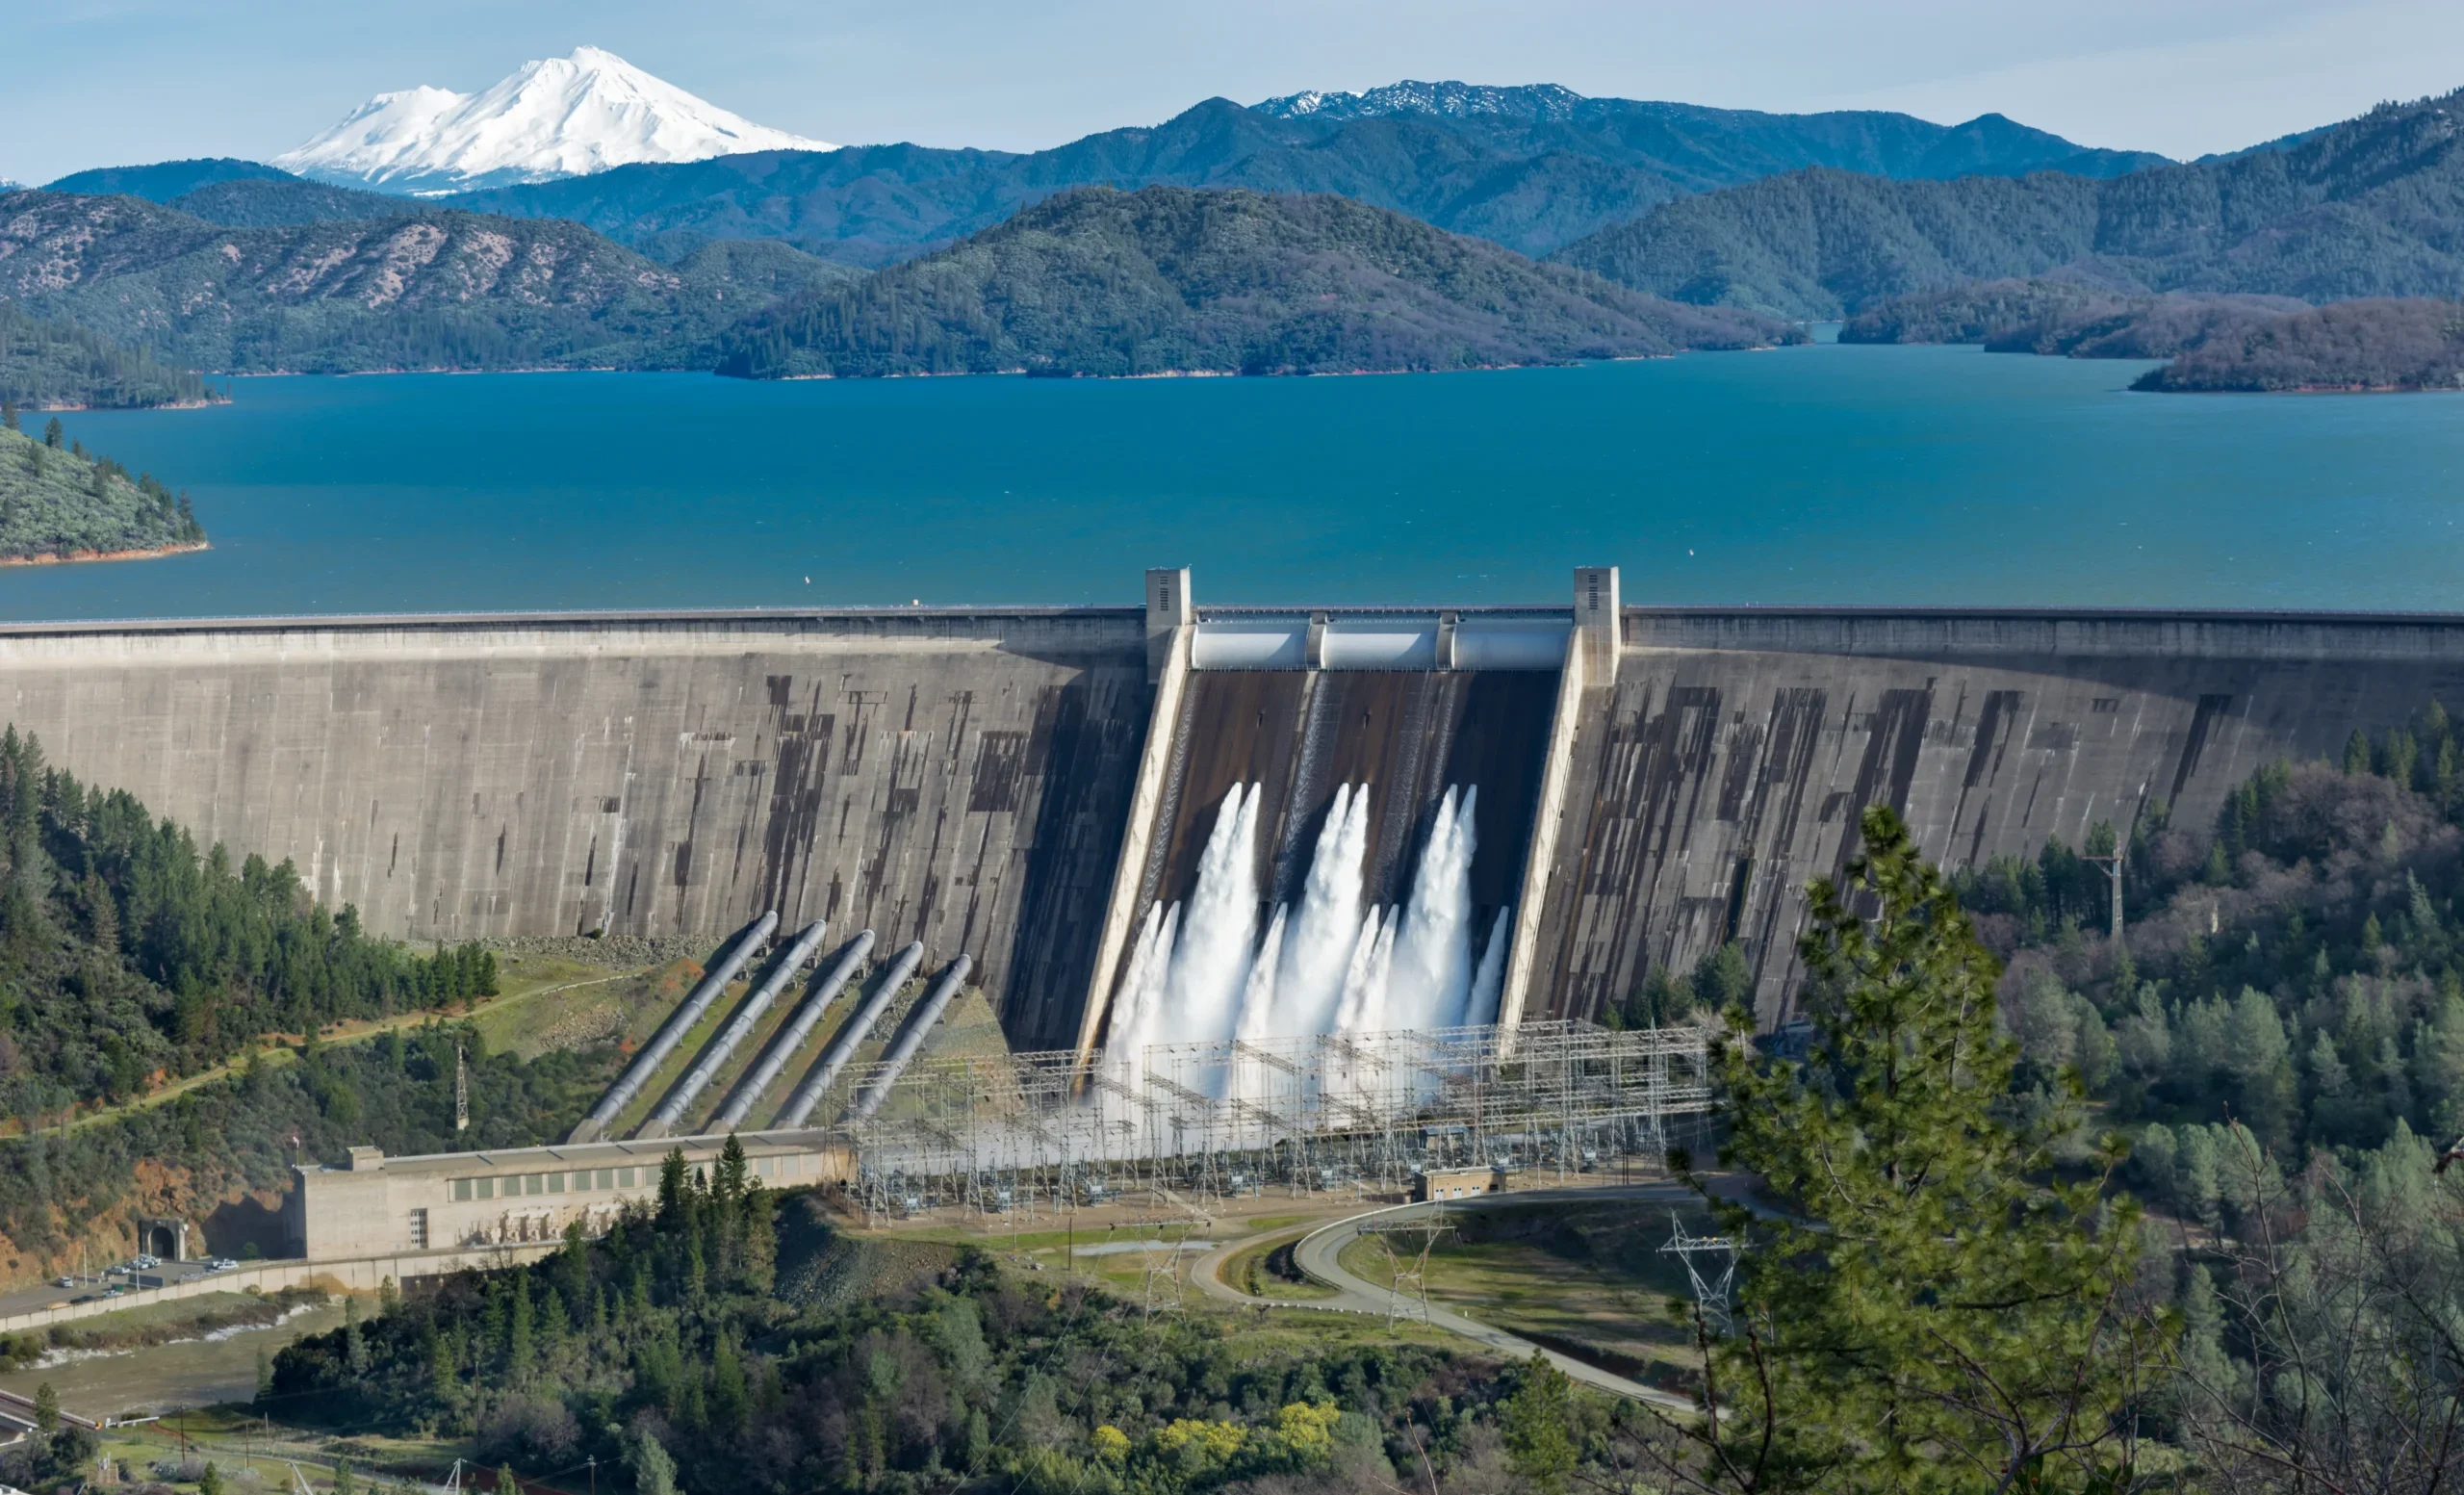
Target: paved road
[(1316, 1256), (50, 1294)]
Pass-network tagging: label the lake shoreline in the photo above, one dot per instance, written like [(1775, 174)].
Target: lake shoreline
[(81, 557)]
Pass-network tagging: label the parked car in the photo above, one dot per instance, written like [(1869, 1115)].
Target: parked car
[(68, 1281)]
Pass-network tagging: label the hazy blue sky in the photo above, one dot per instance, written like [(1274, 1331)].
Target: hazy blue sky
[(108, 82)]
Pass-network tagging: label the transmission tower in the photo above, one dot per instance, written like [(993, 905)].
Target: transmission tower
[(1408, 1285), (1710, 1294), (1159, 1289)]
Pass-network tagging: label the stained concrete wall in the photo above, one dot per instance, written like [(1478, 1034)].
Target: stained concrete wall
[(958, 778), (1728, 763), (964, 777)]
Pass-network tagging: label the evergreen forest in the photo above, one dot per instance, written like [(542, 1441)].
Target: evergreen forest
[(2361, 209), (731, 1341), (59, 364), (130, 958), (58, 500), (1168, 279)]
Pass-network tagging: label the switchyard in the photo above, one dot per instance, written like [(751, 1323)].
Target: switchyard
[(1037, 1133)]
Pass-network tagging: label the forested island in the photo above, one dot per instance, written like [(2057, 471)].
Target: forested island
[(2360, 346), (2215, 342), (59, 501)]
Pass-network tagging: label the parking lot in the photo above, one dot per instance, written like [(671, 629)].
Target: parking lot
[(122, 1279)]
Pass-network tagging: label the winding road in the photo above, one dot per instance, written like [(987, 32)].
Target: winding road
[(1317, 1252)]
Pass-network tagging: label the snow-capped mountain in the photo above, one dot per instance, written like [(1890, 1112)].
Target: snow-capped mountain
[(1535, 101), (560, 116)]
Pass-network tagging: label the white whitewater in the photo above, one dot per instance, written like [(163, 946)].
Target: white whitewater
[(1489, 983), (1258, 996), (1211, 964), (1318, 949), (1362, 1006), (1431, 980), (1144, 988), (1202, 973)]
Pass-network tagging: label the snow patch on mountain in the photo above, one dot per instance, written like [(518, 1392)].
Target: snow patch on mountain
[(555, 117), (1535, 101)]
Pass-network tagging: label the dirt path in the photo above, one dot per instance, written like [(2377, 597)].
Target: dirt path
[(271, 1051)]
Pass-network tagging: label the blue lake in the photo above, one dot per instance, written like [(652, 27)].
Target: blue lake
[(1818, 474)]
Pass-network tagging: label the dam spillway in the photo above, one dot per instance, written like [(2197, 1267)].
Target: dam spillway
[(1025, 785)]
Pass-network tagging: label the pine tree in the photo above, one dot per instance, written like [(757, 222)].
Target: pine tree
[(1934, 1286), (518, 1341), (53, 434), (9, 416), (46, 1409), (1536, 1425), (654, 1472), (672, 1189)]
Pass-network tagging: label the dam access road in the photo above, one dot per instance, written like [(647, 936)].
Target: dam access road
[(1027, 785)]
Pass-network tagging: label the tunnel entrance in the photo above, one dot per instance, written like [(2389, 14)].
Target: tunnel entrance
[(163, 1235)]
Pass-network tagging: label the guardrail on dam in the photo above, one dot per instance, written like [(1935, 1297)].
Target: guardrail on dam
[(1651, 781)]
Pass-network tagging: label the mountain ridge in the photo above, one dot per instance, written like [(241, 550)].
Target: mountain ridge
[(1530, 185), (2368, 207), (436, 289), (1530, 167)]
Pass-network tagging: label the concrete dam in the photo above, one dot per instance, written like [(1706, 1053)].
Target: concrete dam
[(1528, 809)]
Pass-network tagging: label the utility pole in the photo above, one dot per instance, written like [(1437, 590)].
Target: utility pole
[(2112, 867)]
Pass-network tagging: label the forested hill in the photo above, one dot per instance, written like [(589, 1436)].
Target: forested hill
[(2065, 317), (1168, 279), (1529, 169), (131, 956), (433, 289), (2372, 207), (2249, 343), (2366, 344), (58, 366), (59, 501)]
